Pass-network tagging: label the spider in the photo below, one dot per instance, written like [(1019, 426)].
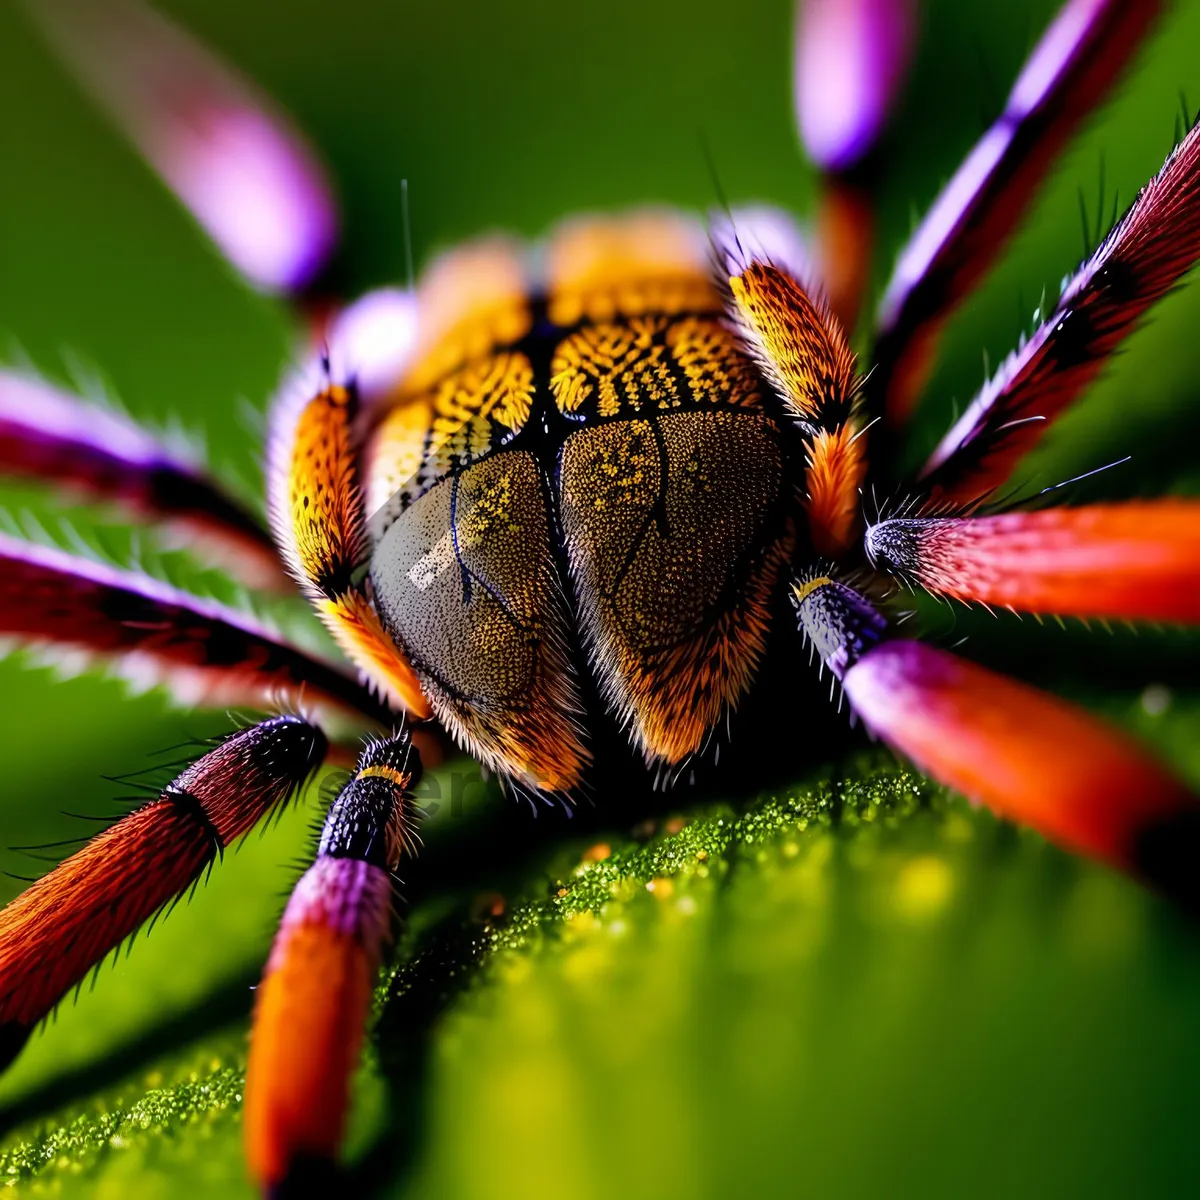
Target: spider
[(566, 506)]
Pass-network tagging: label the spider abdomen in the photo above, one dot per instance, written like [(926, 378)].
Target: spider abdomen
[(605, 497), (669, 527)]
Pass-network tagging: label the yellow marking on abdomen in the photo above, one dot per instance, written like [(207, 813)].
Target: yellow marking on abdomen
[(606, 268)]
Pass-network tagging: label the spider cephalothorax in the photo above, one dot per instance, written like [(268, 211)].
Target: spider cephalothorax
[(553, 494)]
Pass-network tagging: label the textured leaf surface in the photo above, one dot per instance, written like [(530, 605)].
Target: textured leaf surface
[(838, 984)]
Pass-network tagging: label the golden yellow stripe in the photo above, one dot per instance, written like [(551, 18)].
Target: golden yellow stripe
[(355, 626), (800, 344), (323, 497), (802, 590), (400, 779)]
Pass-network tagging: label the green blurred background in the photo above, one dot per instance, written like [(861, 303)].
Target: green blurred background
[(914, 1000)]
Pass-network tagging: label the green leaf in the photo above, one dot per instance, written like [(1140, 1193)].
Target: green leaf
[(844, 983)]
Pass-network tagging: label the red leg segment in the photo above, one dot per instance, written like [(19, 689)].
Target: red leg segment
[(1069, 71), (315, 996), (1027, 755), (63, 925), (1151, 248), (1125, 561), (154, 633)]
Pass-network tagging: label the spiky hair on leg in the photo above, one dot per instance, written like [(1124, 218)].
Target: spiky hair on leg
[(1072, 67), (63, 925), (316, 505), (71, 607), (1147, 253), (49, 436), (312, 1004)]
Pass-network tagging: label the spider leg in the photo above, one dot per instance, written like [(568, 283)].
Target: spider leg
[(49, 436), (1028, 756), (1147, 253), (1137, 561), (317, 513), (1074, 64), (235, 161), (851, 59), (63, 925), (315, 995), (232, 158), (802, 350), (206, 652)]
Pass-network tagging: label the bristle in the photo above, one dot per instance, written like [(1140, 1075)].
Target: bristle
[(1073, 65), (838, 623), (63, 925), (323, 506), (1151, 248), (313, 1002), (1138, 561), (802, 350), (206, 652), (49, 436), (836, 467), (797, 342), (316, 505), (356, 627), (759, 232), (394, 757)]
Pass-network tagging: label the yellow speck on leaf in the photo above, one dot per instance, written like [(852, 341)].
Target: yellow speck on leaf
[(923, 887)]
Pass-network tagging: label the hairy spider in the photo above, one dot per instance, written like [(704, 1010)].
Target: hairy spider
[(567, 512)]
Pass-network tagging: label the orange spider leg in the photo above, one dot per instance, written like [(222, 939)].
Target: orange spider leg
[(315, 996), (1136, 561), (851, 58), (63, 925), (1027, 755), (317, 513), (844, 241), (803, 351)]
